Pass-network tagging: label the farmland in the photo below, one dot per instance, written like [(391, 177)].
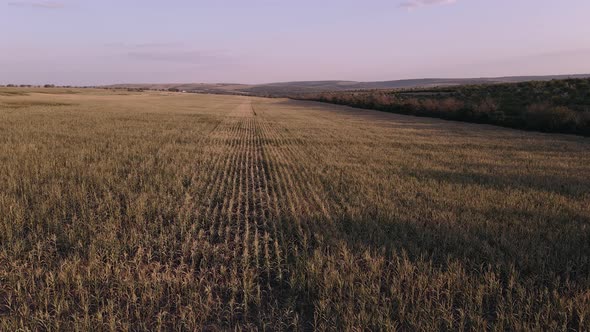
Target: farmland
[(167, 211)]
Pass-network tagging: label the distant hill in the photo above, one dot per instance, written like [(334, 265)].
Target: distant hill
[(189, 87), (290, 88)]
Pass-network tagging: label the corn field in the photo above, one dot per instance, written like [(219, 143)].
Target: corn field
[(124, 211)]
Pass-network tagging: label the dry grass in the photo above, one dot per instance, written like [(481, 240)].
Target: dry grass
[(154, 211)]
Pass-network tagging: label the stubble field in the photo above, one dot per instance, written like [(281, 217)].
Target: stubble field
[(164, 211)]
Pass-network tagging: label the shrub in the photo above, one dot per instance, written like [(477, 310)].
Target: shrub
[(486, 106), (429, 105), (451, 105), (551, 118)]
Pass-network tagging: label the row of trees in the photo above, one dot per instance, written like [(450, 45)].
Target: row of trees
[(556, 106), (34, 86)]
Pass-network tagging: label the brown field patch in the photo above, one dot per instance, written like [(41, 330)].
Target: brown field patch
[(150, 211)]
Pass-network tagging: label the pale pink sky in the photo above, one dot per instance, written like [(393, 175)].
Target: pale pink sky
[(100, 42)]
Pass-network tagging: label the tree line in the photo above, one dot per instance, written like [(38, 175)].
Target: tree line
[(561, 106)]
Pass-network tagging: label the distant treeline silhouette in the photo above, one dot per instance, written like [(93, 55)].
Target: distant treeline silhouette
[(561, 106)]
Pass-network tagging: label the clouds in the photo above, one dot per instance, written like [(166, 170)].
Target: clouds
[(38, 4), (414, 4)]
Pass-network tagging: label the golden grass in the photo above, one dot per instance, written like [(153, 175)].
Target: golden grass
[(161, 211)]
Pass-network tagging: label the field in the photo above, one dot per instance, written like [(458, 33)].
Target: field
[(169, 211)]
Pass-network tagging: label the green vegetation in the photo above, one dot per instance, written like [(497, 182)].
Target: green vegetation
[(169, 211), (551, 106)]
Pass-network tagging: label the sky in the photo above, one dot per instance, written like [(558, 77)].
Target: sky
[(84, 42)]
